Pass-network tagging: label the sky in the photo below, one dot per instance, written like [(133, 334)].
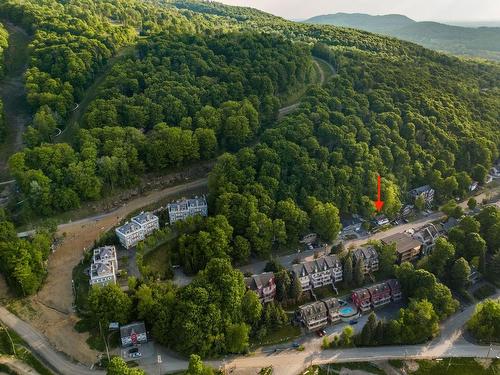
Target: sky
[(419, 10)]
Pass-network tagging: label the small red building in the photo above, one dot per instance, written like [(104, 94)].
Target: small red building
[(362, 299)]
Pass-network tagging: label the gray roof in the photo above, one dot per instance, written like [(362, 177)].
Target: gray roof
[(365, 252), (104, 252), (419, 190), (312, 310), (256, 282), (128, 228), (450, 224), (101, 269), (394, 285), (331, 303), (316, 265), (403, 242), (378, 288), (185, 204), (144, 217)]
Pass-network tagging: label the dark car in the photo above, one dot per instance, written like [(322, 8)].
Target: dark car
[(353, 322), (323, 332), (295, 345), (133, 350)]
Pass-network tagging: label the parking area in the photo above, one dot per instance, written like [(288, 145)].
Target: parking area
[(138, 352)]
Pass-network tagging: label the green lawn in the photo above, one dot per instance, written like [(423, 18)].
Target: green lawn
[(283, 334), (158, 262), (458, 366)]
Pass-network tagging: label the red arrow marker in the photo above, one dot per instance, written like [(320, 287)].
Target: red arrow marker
[(378, 203)]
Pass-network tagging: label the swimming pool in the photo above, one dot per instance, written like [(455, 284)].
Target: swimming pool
[(346, 311)]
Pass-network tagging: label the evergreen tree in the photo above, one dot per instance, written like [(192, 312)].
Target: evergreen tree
[(359, 275), (348, 272)]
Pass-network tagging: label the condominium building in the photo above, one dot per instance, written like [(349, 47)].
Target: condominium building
[(104, 266), (362, 299), (130, 234), (427, 236), (184, 208), (380, 294), (148, 222), (407, 248), (332, 306), (319, 272), (426, 192), (140, 226), (313, 315), (369, 256)]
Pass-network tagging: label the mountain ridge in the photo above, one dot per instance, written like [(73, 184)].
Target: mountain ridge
[(458, 40)]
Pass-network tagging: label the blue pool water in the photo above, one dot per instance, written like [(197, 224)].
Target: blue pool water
[(346, 310)]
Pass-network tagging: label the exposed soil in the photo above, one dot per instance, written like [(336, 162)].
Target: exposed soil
[(51, 310)]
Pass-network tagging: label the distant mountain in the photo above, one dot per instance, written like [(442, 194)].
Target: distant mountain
[(481, 41)]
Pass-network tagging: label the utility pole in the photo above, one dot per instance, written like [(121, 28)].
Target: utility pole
[(105, 341), (10, 338)]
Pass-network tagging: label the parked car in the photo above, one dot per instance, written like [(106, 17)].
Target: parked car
[(353, 322), (323, 332), (135, 355), (295, 345), (133, 350)]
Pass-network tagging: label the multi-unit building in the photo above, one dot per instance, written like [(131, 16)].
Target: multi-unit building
[(130, 234), (104, 266), (184, 208), (362, 299), (313, 315), (263, 284), (148, 222), (395, 287), (369, 256), (380, 294), (140, 226), (423, 191), (376, 295), (332, 307), (427, 236), (319, 272), (407, 248)]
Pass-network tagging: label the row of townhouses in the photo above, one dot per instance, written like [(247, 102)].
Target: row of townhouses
[(104, 266), (184, 208), (140, 226), (376, 295), (319, 272)]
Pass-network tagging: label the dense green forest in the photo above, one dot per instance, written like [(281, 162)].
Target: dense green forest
[(4, 42), (469, 41)]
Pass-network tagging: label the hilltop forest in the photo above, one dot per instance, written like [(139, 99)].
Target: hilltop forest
[(187, 81)]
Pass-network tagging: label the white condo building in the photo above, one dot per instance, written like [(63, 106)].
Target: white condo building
[(184, 208), (104, 266), (142, 225)]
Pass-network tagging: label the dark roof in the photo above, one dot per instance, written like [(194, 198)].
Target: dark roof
[(316, 265), (366, 252), (378, 288), (394, 285), (256, 282), (362, 293), (403, 242), (419, 190), (331, 303), (450, 224), (137, 327), (312, 310)]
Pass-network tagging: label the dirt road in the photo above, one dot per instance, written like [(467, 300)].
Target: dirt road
[(50, 311)]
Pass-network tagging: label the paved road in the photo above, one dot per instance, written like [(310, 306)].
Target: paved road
[(449, 343), (39, 344)]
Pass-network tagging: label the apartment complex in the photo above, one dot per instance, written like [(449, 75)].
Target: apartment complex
[(184, 208), (140, 226), (407, 248), (319, 272), (104, 266), (369, 256), (263, 284), (376, 295)]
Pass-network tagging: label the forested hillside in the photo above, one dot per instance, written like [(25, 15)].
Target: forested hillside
[(469, 41), (4, 41)]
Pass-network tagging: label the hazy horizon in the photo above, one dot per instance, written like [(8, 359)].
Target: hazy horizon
[(459, 11)]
